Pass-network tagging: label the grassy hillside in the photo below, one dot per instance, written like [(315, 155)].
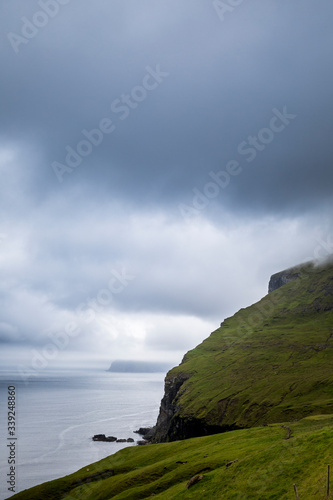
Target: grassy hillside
[(270, 362), (263, 464)]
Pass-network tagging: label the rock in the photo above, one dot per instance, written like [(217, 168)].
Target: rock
[(169, 426), (147, 433), (232, 462), (102, 437), (99, 437), (289, 434), (282, 278), (168, 407), (143, 430), (111, 439), (141, 443), (194, 480)]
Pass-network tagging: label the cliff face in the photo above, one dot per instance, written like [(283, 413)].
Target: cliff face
[(270, 362), (283, 277), (169, 408), (171, 425)]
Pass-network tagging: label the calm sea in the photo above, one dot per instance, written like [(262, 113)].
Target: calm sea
[(58, 413)]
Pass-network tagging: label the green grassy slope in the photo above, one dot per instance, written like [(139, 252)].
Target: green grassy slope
[(265, 466), (270, 362)]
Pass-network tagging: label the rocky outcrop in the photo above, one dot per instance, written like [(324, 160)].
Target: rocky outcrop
[(170, 425), (111, 439), (168, 408), (147, 433), (283, 277), (179, 428)]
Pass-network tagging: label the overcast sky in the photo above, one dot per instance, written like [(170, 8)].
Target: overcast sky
[(159, 161)]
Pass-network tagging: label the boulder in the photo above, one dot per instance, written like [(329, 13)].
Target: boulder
[(146, 432), (102, 437)]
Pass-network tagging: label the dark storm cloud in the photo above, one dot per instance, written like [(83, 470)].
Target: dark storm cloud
[(224, 80)]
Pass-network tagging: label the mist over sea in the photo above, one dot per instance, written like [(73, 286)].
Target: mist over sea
[(57, 413)]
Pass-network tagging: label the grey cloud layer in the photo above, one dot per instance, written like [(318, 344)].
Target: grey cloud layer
[(225, 79), (175, 108)]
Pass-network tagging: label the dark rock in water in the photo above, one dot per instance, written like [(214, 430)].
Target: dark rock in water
[(111, 439), (142, 430), (102, 437), (143, 442), (99, 437)]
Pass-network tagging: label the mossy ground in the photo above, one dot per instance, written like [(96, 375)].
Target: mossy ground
[(267, 467)]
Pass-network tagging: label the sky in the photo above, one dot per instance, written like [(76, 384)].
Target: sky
[(159, 162)]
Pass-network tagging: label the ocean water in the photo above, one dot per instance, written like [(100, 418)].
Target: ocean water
[(57, 414)]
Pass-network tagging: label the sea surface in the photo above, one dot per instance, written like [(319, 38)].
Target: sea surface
[(56, 415)]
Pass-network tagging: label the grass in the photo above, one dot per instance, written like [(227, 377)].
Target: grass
[(268, 363), (267, 466)]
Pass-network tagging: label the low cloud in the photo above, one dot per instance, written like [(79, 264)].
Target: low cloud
[(178, 107), (141, 283)]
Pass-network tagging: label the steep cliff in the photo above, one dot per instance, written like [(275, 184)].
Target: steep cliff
[(270, 362), (283, 277)]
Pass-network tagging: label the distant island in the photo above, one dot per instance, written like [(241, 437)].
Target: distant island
[(121, 366)]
